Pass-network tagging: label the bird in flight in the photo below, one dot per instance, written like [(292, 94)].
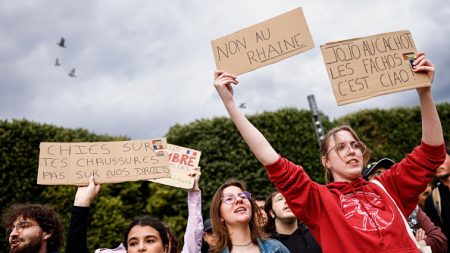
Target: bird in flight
[(242, 105), (57, 62), (62, 42), (72, 73)]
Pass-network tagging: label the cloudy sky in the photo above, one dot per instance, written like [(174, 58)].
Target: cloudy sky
[(143, 66)]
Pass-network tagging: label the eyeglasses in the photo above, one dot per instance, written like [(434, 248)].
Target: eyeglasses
[(20, 226), (343, 148), (230, 198)]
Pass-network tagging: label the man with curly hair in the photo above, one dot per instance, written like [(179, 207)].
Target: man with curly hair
[(33, 228)]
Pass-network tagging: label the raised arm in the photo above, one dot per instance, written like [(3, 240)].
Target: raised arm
[(252, 136), (194, 229), (431, 124), (76, 237)]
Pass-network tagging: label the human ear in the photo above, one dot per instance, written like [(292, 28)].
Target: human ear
[(325, 162), (272, 214), (47, 235)]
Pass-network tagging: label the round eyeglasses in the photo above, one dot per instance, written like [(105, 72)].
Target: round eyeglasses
[(230, 198), (343, 148), (20, 226)]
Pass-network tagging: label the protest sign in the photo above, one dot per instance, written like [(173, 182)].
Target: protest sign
[(182, 160), (110, 162), (362, 68), (262, 44)]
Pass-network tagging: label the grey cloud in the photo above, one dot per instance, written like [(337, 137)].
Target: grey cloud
[(145, 66)]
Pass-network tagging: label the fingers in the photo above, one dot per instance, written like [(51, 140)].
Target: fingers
[(418, 54), (223, 78), (219, 72), (422, 64), (91, 181), (194, 173), (420, 234)]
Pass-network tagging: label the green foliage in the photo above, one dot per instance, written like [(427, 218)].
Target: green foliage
[(225, 154), (395, 132), (389, 133)]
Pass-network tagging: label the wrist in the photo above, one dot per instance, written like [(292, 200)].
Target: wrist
[(81, 203)]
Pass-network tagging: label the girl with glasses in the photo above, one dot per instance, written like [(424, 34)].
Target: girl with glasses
[(350, 214), (234, 217)]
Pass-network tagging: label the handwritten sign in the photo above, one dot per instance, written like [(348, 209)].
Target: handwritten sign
[(362, 68), (182, 160), (109, 162), (262, 44)]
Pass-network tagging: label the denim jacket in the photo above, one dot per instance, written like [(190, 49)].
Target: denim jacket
[(267, 246)]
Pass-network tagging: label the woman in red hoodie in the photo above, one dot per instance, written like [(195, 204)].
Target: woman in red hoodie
[(349, 214)]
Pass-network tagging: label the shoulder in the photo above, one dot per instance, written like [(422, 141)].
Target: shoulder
[(272, 245)]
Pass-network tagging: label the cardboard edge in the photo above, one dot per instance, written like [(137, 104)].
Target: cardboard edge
[(359, 38)]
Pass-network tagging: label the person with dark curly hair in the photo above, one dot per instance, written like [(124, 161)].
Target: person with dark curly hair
[(33, 228)]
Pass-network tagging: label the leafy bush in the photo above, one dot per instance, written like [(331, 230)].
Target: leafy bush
[(389, 133)]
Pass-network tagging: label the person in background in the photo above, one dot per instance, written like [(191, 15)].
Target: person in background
[(194, 229), (426, 233), (234, 216), (260, 201), (282, 225), (209, 238), (423, 196), (143, 234), (437, 204), (33, 228)]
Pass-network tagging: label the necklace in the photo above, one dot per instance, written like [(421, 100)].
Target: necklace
[(242, 245)]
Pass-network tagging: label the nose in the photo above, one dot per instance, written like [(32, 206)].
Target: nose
[(239, 199), (13, 232), (142, 247), (350, 150)]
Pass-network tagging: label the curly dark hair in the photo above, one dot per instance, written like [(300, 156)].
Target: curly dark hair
[(44, 215)]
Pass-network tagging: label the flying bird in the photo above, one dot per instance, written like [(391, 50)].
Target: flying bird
[(57, 62), (242, 105), (62, 42), (72, 73)]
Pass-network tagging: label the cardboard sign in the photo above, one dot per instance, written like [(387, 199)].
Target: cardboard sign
[(109, 162), (362, 68), (182, 160), (263, 44)]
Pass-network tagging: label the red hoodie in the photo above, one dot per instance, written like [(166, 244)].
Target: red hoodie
[(359, 216)]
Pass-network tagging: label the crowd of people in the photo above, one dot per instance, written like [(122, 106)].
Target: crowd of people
[(361, 208)]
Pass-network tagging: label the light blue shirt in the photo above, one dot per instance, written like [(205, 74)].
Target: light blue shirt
[(267, 246)]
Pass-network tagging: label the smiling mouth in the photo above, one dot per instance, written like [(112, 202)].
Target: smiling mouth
[(240, 210)]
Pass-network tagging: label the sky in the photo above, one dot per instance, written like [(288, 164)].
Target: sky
[(143, 66)]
